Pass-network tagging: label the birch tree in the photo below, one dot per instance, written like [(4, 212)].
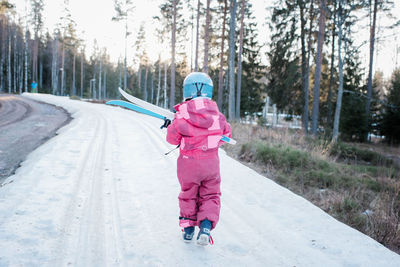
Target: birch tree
[(173, 39), (335, 132), (37, 22), (232, 25), (221, 58), (239, 73), (206, 37), (196, 57), (124, 9)]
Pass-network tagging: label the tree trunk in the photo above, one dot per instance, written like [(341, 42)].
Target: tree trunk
[(40, 73), (21, 72), (26, 60), (120, 81), (206, 38), (73, 75), (62, 68), (1, 55), (239, 74), (371, 62), (140, 78), (331, 79), (9, 83), (54, 67), (159, 81), (165, 85), (15, 60), (125, 66), (172, 92), (221, 60), (152, 88), (317, 81), (232, 24), (105, 84), (145, 92), (100, 72), (82, 59), (196, 61), (335, 132), (304, 76)]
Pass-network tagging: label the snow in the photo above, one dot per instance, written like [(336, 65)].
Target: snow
[(102, 193)]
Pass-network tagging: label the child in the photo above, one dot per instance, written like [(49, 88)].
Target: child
[(197, 128)]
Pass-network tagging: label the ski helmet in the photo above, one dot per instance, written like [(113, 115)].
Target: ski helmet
[(197, 84)]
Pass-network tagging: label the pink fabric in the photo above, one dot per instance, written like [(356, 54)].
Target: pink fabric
[(187, 223), (198, 127), (194, 122), (200, 180)]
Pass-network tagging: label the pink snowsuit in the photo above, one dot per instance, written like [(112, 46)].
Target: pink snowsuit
[(198, 127)]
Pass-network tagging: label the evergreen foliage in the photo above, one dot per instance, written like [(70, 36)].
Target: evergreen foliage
[(253, 70), (352, 119), (58, 62), (391, 117), (284, 78)]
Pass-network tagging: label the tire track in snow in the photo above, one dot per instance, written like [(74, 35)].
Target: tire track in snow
[(91, 222), (75, 211), (12, 111), (153, 221), (91, 234), (114, 235)]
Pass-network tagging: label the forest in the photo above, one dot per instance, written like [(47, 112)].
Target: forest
[(313, 67)]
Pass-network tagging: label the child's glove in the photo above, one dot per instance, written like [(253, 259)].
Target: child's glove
[(167, 122)]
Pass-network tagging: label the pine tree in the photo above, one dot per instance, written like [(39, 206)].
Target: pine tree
[(251, 94), (37, 21), (352, 119), (390, 126), (317, 78), (284, 79)]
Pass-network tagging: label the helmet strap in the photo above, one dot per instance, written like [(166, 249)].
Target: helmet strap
[(199, 90)]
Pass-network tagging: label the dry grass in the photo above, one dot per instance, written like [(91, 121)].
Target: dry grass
[(347, 181)]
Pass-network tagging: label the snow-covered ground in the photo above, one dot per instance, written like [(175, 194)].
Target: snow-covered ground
[(102, 193)]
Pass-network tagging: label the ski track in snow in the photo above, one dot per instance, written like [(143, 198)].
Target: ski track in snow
[(102, 193)]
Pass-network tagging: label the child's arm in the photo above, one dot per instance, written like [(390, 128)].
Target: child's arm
[(227, 130), (173, 136)]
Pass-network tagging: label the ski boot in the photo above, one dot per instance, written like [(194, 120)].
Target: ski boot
[(204, 237), (188, 233)]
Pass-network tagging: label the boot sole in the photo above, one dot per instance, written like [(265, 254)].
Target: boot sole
[(203, 240)]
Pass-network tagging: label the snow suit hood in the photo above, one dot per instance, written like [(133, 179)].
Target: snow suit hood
[(198, 127), (200, 111)]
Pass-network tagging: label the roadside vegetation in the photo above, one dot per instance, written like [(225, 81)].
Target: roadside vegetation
[(356, 184)]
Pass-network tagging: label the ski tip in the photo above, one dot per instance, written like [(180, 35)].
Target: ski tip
[(228, 140)]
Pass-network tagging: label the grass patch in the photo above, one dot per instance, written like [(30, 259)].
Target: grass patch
[(354, 154), (74, 97), (352, 182)]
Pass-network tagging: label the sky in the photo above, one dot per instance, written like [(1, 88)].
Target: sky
[(93, 18)]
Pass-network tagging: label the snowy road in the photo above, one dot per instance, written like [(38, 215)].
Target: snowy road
[(102, 193), (24, 125)]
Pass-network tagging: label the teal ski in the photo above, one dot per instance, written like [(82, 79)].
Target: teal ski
[(169, 115)]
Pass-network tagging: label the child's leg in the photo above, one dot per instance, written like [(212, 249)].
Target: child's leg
[(188, 204), (188, 196), (209, 203)]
